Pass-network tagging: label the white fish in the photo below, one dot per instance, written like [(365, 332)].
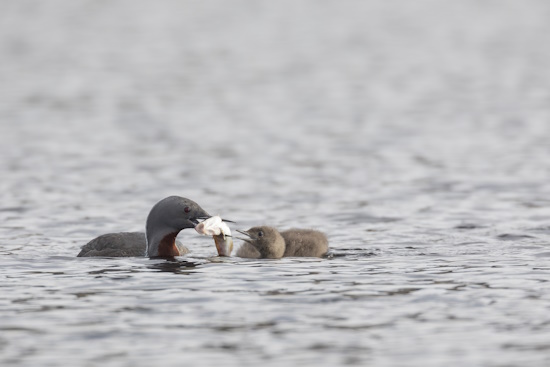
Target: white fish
[(217, 228)]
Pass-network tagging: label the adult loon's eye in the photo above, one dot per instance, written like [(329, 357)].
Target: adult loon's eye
[(260, 234), (187, 209)]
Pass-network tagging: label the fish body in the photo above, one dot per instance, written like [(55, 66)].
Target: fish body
[(219, 230)]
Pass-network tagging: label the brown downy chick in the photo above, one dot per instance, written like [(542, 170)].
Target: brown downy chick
[(267, 242)]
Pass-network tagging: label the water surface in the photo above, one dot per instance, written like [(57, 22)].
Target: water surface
[(414, 135)]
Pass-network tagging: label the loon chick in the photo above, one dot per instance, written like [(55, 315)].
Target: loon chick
[(266, 242), (165, 220)]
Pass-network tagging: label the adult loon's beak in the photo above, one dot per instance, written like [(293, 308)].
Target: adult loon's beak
[(210, 216)]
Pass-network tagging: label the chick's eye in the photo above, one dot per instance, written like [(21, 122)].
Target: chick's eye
[(260, 234), (187, 209)]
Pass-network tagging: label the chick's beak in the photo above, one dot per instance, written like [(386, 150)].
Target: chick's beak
[(249, 239)]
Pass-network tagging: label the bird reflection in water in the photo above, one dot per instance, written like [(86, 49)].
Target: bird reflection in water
[(174, 266)]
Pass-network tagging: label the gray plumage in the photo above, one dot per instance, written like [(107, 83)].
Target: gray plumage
[(165, 220), (267, 242), (305, 242), (123, 244), (248, 251)]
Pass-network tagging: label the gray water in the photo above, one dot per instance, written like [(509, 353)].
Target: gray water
[(415, 134)]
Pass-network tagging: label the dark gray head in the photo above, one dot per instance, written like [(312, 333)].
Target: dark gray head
[(169, 216), (267, 240)]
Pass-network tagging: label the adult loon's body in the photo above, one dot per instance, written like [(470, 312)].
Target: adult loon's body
[(165, 220)]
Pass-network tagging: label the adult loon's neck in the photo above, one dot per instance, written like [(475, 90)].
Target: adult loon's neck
[(162, 245)]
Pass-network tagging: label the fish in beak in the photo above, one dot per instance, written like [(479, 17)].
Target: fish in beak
[(219, 230)]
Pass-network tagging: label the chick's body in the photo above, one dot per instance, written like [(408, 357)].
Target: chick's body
[(266, 242), (304, 242)]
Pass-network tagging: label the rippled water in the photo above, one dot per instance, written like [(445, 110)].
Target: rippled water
[(415, 134)]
